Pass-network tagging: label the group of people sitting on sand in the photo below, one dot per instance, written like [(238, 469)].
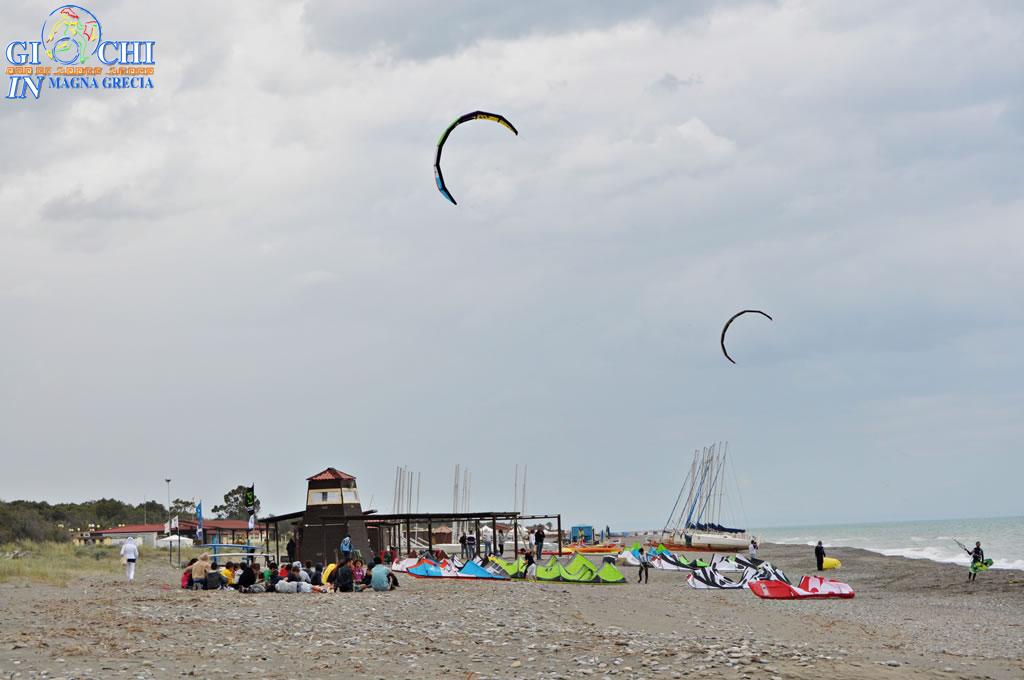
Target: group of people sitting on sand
[(347, 576)]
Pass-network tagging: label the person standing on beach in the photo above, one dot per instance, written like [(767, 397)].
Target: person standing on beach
[(346, 548), (290, 549), (130, 553), (645, 566), (501, 543), (819, 555), (753, 548), (540, 542), (462, 542), (977, 557)]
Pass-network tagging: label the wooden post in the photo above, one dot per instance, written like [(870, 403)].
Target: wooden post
[(408, 540), (494, 535), (430, 535), (476, 546), (515, 538), (559, 535)]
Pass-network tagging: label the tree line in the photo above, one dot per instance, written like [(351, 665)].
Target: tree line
[(41, 521)]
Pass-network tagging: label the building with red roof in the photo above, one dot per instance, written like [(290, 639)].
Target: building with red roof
[(214, 531)]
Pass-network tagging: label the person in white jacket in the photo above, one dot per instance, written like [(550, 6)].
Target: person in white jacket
[(130, 553)]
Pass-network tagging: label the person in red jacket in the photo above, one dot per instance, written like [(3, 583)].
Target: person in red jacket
[(186, 576)]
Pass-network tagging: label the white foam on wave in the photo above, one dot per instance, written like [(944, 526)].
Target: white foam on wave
[(942, 548), (804, 540), (942, 556)]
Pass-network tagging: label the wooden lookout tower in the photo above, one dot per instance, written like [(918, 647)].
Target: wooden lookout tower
[(332, 512)]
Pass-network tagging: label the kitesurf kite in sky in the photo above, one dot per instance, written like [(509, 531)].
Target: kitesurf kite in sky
[(733, 318), (476, 115)]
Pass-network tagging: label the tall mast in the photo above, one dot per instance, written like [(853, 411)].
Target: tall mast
[(672, 514), (721, 483), (698, 491), (515, 492), (694, 471), (455, 491), (522, 506)]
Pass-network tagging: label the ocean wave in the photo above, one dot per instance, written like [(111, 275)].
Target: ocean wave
[(805, 540), (1002, 539), (942, 556)]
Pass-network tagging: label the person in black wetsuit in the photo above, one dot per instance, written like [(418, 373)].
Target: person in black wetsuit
[(819, 555), (645, 567), (977, 557)]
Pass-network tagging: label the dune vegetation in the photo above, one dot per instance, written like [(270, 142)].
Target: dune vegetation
[(56, 563)]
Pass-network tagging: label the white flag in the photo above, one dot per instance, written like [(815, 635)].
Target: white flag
[(174, 522)]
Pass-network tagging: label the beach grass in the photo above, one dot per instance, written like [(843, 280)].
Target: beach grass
[(56, 563)]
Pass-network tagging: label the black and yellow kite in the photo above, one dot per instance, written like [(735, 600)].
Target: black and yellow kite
[(476, 115)]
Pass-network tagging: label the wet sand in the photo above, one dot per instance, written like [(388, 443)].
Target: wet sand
[(911, 618)]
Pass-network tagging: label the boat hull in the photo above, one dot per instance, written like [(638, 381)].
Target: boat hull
[(710, 543)]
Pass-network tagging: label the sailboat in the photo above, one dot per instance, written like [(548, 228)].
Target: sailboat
[(694, 523)]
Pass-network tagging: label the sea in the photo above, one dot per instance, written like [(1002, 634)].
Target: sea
[(1002, 538)]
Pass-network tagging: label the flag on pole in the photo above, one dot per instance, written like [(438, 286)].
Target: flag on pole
[(174, 522), (199, 520), (250, 505)]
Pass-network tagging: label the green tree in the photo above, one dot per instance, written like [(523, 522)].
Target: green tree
[(234, 504), (184, 509), (37, 520), (20, 521)]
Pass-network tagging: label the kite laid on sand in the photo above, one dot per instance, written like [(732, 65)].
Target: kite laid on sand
[(476, 115)]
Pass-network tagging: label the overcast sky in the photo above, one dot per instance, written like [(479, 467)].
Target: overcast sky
[(247, 274)]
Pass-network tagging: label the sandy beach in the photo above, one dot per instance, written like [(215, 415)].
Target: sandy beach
[(911, 618)]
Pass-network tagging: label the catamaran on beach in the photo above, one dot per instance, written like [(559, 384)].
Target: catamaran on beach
[(694, 523)]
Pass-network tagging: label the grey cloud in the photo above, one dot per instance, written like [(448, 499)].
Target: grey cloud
[(672, 83), (414, 30), (75, 206)]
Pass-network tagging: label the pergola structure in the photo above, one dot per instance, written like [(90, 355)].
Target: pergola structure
[(390, 531), (275, 522), (393, 525)]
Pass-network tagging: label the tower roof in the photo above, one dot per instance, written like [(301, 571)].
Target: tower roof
[(329, 474)]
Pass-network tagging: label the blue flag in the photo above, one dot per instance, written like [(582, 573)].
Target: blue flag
[(199, 520)]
